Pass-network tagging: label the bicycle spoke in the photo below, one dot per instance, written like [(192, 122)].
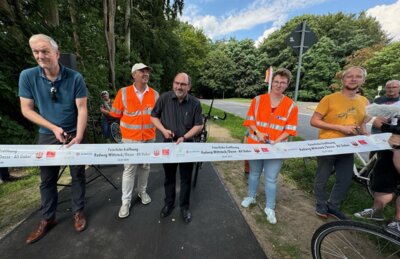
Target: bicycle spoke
[(348, 239)]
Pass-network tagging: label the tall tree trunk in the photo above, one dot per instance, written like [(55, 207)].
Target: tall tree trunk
[(72, 14), (127, 27), (50, 12), (109, 7)]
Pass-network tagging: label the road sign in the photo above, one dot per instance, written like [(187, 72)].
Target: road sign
[(294, 39), (301, 39)]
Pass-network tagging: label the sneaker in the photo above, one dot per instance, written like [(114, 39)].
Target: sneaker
[(248, 201), (393, 228), (336, 214), (371, 213), (124, 211), (321, 214), (144, 197), (270, 215)]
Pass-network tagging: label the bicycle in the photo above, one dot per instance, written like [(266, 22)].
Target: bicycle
[(353, 239), (115, 132), (362, 171), (202, 137)]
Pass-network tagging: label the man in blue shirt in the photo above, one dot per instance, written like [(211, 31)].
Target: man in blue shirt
[(60, 96)]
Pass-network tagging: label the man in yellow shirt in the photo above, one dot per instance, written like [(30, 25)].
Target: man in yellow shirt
[(338, 115)]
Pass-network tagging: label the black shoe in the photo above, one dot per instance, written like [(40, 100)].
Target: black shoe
[(336, 214), (186, 215), (166, 211)]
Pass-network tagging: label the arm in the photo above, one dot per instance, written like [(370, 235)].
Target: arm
[(190, 134), (317, 121), (166, 132), (394, 141), (81, 104), (28, 111)]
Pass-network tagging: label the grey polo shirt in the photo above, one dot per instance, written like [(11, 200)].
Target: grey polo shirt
[(178, 117)]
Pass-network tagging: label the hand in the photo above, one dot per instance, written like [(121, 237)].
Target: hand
[(75, 140), (377, 123), (168, 134), (394, 141), (349, 130), (262, 137), (60, 134), (180, 140)]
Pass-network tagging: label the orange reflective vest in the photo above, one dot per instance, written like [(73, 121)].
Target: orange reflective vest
[(134, 115), (283, 119)]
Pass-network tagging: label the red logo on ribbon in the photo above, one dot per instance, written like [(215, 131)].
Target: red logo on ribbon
[(51, 154), (39, 155), (165, 152), (156, 152), (363, 142)]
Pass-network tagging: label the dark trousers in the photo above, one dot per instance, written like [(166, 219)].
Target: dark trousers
[(343, 165), (185, 172), (48, 184)]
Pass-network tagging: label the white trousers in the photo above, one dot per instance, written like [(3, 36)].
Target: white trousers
[(130, 172)]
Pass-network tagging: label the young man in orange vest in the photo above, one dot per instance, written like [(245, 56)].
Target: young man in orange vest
[(338, 115), (133, 105)]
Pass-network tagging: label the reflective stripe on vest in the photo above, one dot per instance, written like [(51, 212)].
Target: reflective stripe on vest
[(136, 127), (290, 127), (119, 112)]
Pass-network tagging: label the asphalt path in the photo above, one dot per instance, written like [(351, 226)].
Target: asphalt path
[(306, 109)]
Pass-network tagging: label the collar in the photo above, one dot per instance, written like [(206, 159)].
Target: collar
[(60, 73), (138, 92), (173, 96)]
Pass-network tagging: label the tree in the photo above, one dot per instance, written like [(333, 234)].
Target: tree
[(216, 79), (348, 32), (321, 67), (109, 7), (195, 47), (383, 66)]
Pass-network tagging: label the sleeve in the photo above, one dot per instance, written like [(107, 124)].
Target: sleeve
[(80, 86), (117, 108), (250, 117), (198, 115), (323, 106), (156, 112), (24, 86)]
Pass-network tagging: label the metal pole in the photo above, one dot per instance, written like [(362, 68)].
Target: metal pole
[(303, 32)]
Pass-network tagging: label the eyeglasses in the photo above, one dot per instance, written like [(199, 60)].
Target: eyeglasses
[(53, 92)]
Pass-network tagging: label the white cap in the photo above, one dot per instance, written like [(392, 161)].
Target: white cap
[(139, 66)]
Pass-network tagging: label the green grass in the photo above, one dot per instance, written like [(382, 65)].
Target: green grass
[(232, 122), (239, 100)]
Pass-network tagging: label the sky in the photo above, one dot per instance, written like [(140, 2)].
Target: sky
[(256, 19)]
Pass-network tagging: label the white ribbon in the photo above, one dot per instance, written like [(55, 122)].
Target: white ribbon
[(93, 154)]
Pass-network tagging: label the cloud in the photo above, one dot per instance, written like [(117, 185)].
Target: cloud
[(257, 12), (387, 15)]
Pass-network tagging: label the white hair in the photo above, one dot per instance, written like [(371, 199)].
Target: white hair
[(44, 37)]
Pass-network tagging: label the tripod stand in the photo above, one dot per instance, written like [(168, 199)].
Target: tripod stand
[(97, 169)]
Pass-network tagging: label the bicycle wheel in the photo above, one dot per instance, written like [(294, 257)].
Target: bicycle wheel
[(352, 239), (115, 132), (369, 169)]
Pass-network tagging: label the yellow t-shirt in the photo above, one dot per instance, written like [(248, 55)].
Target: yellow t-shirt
[(339, 109)]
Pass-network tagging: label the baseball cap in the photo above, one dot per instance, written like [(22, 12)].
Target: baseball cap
[(104, 93), (139, 66)]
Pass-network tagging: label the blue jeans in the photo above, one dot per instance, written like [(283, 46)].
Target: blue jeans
[(271, 170), (105, 128)]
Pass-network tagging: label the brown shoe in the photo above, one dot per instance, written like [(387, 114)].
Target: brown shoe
[(42, 229), (79, 221)]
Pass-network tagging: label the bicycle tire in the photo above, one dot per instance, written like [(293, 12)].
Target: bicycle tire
[(115, 132), (353, 239)]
